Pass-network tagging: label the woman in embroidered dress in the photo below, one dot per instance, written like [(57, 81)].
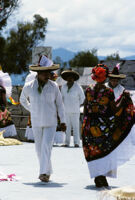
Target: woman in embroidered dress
[(105, 128), (115, 83), (6, 122)]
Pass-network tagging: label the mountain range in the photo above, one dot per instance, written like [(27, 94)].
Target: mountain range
[(67, 55)]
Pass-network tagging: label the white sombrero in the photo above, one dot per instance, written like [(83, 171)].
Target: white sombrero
[(44, 64)]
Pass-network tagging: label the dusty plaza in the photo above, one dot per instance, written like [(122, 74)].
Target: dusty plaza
[(70, 179)]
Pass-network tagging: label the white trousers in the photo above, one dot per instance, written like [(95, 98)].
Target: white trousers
[(29, 133), (72, 121), (44, 138)]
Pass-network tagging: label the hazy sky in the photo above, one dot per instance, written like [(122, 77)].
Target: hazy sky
[(77, 25)]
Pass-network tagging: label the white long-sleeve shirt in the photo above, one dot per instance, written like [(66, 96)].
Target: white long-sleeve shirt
[(118, 90), (73, 98), (43, 106)]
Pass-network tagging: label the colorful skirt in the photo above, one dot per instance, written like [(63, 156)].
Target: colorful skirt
[(108, 165), (108, 141)]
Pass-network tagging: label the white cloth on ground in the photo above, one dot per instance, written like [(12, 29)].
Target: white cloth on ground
[(10, 131)]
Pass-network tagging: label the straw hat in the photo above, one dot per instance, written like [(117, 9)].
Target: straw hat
[(44, 64), (70, 72), (115, 72), (123, 193)]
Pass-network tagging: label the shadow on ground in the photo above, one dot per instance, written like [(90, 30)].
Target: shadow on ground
[(93, 187), (47, 185)]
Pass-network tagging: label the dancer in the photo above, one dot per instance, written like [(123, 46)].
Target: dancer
[(115, 83), (105, 129), (6, 122)]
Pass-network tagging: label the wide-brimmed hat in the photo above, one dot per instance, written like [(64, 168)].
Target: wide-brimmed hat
[(44, 64), (123, 193), (115, 73), (67, 73)]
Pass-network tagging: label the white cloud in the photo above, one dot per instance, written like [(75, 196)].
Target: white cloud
[(107, 25)]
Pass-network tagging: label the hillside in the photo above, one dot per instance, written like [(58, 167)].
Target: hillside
[(67, 55), (64, 54)]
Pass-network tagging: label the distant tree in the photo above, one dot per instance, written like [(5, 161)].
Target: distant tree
[(114, 56), (19, 44), (2, 49), (7, 7), (58, 60), (64, 65), (84, 59)]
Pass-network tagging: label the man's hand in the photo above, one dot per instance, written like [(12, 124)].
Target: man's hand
[(63, 127)]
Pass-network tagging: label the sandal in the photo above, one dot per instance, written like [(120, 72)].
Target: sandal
[(44, 177)]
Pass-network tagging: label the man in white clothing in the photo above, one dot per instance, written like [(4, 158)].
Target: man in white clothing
[(42, 98), (73, 96)]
